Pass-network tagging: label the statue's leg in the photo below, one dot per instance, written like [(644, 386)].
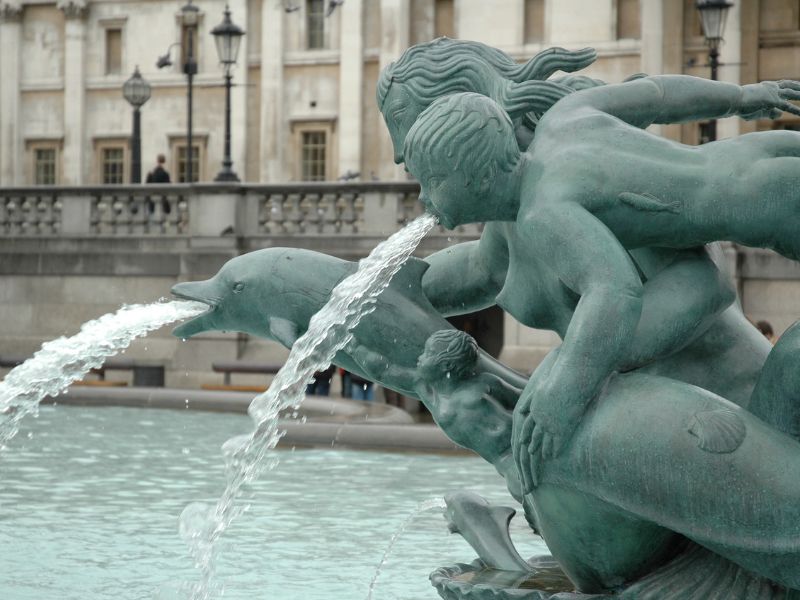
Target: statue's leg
[(664, 456), (776, 397)]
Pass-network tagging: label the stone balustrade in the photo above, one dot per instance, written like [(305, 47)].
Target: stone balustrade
[(210, 210)]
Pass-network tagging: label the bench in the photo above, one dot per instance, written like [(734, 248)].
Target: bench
[(144, 375), (229, 367)]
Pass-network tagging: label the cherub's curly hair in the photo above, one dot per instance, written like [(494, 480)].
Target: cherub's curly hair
[(457, 351), (444, 66), (463, 133)]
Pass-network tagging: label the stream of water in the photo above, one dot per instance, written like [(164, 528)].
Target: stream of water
[(247, 456), (62, 361), (422, 507)]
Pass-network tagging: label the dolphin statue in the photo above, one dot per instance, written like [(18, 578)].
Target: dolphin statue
[(274, 292), (485, 528)]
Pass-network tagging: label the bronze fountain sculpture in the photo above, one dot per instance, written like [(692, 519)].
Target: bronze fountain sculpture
[(656, 450)]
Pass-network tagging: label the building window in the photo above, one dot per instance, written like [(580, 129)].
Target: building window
[(692, 24), (44, 166), (315, 24), (704, 132), (779, 15), (313, 155), (629, 20), (113, 51), (113, 165), (534, 21), (444, 19), (182, 163)]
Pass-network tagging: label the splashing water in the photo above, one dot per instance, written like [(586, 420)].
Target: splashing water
[(61, 361), (422, 507), (201, 525)]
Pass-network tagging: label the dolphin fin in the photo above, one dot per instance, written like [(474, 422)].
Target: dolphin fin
[(283, 331), (502, 515), (485, 528), (649, 203), (408, 279)]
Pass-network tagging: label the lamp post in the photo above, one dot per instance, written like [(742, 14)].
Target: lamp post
[(228, 38), (189, 13), (136, 91), (713, 14)]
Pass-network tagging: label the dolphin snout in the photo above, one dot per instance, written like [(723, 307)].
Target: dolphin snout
[(199, 291)]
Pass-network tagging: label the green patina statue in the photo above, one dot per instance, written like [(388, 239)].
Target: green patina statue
[(643, 487), (595, 230)]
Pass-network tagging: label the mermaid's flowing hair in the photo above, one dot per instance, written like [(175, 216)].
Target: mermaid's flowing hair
[(465, 133), (457, 351), (443, 66)]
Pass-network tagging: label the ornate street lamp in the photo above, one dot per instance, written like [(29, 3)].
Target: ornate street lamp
[(136, 91), (190, 16), (713, 14), (228, 37)]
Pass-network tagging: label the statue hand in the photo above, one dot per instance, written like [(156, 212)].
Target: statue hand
[(544, 421), (769, 99)]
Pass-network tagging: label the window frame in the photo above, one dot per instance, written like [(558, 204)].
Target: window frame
[(298, 129), (111, 143), (107, 25), (324, 41), (34, 146), (199, 141)]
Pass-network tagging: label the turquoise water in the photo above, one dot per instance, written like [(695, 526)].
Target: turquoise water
[(90, 498)]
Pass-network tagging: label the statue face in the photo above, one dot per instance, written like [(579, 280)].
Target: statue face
[(448, 197), (399, 112)]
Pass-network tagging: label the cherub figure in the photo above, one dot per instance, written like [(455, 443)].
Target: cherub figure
[(593, 186), (462, 392)]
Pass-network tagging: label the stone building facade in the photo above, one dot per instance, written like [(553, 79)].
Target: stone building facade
[(303, 105), (304, 97)]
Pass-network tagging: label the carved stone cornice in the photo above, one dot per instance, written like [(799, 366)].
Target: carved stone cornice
[(10, 11), (73, 9)]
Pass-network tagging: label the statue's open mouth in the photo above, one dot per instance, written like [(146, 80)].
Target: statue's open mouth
[(199, 292)]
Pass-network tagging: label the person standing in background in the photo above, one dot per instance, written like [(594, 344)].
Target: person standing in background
[(159, 174)]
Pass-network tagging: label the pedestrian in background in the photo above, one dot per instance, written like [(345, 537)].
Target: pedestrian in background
[(159, 174)]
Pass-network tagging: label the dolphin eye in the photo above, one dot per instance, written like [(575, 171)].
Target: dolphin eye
[(238, 287)]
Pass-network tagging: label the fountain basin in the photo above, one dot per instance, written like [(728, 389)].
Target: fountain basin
[(90, 499)]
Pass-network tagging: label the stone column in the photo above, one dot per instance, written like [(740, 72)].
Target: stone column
[(662, 47), (351, 86), (11, 152), (731, 58), (273, 132), (395, 20), (239, 131), (73, 157)]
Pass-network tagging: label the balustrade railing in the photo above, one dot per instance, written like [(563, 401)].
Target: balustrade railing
[(30, 213), (208, 210)]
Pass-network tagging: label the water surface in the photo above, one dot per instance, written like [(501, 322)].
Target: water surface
[(89, 502)]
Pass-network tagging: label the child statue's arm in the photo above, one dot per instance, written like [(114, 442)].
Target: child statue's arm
[(680, 98), (380, 368)]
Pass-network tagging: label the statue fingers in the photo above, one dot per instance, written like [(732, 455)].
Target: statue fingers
[(535, 468), (789, 94), (791, 108), (548, 450), (789, 84), (524, 467)]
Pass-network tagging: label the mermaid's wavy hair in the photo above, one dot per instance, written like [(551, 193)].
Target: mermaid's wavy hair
[(465, 133), (443, 66), (458, 351)]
